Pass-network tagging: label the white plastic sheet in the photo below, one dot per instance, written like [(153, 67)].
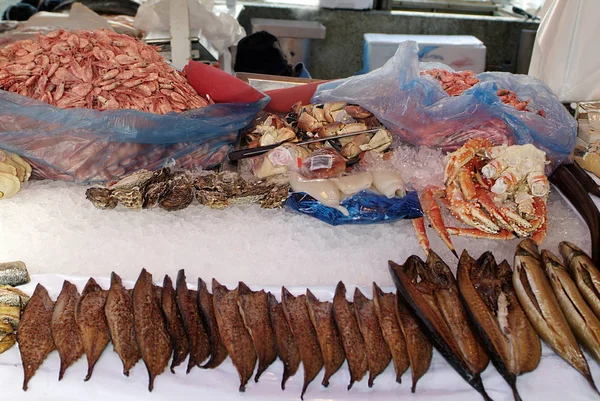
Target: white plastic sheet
[(221, 30), (565, 54)]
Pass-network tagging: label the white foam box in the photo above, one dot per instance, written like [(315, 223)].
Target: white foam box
[(460, 52)]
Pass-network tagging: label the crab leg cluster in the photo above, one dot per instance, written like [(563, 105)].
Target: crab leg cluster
[(498, 192)]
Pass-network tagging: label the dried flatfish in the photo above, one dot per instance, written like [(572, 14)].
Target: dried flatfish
[(207, 312), (150, 327), (385, 309), (14, 274), (321, 315), (233, 333), (255, 313), (65, 331), (584, 272), (418, 346), (90, 317), (541, 307), (296, 313), (352, 340), (35, 332), (378, 352), (121, 325), (174, 320), (187, 300), (492, 303), (430, 292), (284, 338), (583, 322)]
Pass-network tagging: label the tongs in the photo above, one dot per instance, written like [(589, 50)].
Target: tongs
[(259, 150)]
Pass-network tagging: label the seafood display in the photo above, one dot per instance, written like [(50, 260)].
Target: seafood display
[(487, 312), (176, 190), (97, 69), (455, 83), (542, 307), (498, 192), (14, 170)]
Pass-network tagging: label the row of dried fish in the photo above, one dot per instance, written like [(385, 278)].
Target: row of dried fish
[(252, 327), (175, 190), (492, 312)]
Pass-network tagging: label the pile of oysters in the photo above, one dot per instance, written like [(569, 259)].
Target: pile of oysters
[(176, 190)]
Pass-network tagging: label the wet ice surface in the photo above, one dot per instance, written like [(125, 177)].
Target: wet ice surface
[(54, 229)]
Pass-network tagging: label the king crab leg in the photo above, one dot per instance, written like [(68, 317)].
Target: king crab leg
[(433, 212), (476, 233), (419, 226)]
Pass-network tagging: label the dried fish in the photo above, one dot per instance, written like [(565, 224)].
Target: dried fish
[(418, 346), (255, 313), (65, 331), (296, 314), (14, 274), (492, 303), (541, 307), (286, 344), (90, 317), (150, 327), (584, 272), (352, 340), (207, 312), (233, 333), (121, 325), (174, 320), (321, 315), (430, 292), (378, 352), (385, 309), (187, 300), (583, 322), (8, 336), (35, 332)]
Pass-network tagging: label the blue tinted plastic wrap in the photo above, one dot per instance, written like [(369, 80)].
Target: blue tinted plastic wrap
[(87, 145), (419, 111), (365, 207)]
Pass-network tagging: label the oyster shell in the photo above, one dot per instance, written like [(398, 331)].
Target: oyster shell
[(101, 198), (156, 187), (180, 193), (130, 190)]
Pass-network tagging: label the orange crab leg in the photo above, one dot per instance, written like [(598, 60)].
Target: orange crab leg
[(540, 222), (465, 183), (433, 212), (475, 233), (419, 226)]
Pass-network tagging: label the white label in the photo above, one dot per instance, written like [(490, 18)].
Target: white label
[(320, 162)]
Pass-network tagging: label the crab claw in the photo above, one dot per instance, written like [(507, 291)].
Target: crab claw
[(432, 210), (419, 226), (463, 155)]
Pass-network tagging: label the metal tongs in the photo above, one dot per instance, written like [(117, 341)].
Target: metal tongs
[(245, 153)]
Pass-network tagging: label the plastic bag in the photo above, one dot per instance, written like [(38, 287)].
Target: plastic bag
[(564, 55), (365, 207), (420, 112), (85, 145)]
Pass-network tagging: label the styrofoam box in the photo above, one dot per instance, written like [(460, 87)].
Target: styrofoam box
[(347, 4), (460, 52)]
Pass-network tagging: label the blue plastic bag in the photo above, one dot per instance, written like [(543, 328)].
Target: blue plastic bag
[(420, 112), (365, 207), (85, 145)]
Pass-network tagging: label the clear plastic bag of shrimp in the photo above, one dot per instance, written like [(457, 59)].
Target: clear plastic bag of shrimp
[(85, 145), (425, 111)]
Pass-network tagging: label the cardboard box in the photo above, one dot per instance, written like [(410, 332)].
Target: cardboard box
[(457, 51)]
